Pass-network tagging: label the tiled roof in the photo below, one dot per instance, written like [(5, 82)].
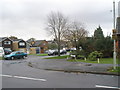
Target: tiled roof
[(37, 42), (2, 38)]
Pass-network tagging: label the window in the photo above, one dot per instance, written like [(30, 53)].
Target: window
[(1, 51), (7, 42), (22, 44), (44, 43)]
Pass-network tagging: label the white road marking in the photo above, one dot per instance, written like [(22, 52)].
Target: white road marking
[(107, 87), (37, 79), (6, 75)]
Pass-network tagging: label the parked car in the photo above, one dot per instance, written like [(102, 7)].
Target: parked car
[(63, 51), (51, 52), (15, 55), (1, 52), (55, 52), (7, 51)]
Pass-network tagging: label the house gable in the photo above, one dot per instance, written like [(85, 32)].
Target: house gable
[(7, 43), (22, 44)]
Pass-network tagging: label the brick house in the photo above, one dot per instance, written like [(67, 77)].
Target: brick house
[(43, 44), (19, 45), (38, 46), (6, 43)]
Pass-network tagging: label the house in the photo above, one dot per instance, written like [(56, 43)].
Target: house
[(6, 43), (19, 45), (37, 46), (43, 44)]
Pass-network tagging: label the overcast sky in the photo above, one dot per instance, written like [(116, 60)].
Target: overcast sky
[(28, 18)]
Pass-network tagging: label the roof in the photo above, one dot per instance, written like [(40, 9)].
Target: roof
[(51, 42), (2, 38), (38, 42)]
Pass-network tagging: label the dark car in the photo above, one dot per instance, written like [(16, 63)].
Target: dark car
[(15, 55), (7, 52)]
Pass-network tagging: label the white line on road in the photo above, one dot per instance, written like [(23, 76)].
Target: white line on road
[(107, 87), (37, 79)]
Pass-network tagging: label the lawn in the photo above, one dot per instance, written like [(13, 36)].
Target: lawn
[(0, 58), (58, 57), (102, 61), (117, 70), (44, 54)]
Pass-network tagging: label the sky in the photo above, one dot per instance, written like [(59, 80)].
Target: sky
[(28, 18)]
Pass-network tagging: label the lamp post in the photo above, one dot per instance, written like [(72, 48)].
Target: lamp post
[(114, 30)]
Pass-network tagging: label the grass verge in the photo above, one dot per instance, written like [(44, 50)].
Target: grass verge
[(0, 58), (44, 54), (117, 70), (102, 61), (58, 57)]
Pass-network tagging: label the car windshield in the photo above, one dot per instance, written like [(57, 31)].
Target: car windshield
[(13, 53)]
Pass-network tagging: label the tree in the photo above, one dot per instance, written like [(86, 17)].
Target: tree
[(57, 25), (13, 37), (88, 46), (101, 43), (98, 33), (31, 41), (75, 33), (52, 46)]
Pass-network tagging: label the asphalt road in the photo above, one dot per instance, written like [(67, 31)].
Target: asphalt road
[(17, 74)]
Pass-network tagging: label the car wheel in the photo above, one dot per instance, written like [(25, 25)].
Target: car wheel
[(12, 58), (24, 57)]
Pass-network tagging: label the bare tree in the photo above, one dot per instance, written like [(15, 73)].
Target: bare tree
[(75, 34), (57, 25)]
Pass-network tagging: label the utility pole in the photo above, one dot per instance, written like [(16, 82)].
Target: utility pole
[(114, 32)]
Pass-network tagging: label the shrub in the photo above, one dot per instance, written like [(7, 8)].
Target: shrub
[(94, 55), (78, 54)]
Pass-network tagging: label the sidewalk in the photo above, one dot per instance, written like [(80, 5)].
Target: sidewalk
[(78, 67)]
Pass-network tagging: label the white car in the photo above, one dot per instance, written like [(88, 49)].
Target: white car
[(1, 52), (51, 52)]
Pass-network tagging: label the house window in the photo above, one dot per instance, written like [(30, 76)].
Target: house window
[(22, 44), (7, 42)]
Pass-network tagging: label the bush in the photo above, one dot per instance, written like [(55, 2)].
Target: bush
[(78, 54), (94, 55)]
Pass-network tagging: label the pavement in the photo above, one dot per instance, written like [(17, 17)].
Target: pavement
[(76, 67)]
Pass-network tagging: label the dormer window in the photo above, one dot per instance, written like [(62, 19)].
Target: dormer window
[(7, 42), (22, 44)]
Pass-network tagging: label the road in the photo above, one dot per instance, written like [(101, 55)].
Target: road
[(17, 74)]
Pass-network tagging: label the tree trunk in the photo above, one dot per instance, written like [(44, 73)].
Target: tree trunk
[(59, 44)]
